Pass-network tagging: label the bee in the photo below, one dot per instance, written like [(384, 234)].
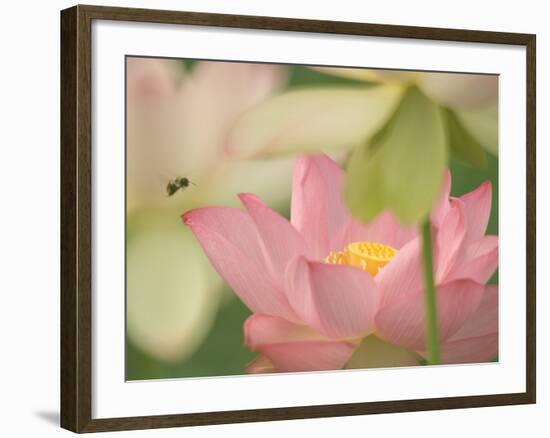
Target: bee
[(176, 184)]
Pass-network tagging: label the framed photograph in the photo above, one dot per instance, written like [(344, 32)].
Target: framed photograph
[(269, 218)]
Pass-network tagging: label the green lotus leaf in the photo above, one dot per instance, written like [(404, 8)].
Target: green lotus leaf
[(401, 167)]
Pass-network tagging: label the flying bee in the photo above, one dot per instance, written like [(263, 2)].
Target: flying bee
[(179, 183)]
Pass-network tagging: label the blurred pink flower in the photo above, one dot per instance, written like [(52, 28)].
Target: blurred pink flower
[(319, 284)]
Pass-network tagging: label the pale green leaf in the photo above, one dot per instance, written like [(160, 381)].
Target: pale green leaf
[(401, 168), (316, 119), (168, 313), (482, 124)]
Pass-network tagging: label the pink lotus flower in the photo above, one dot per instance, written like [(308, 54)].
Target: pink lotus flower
[(319, 284)]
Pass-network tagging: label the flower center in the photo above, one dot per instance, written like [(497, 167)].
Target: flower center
[(369, 256)]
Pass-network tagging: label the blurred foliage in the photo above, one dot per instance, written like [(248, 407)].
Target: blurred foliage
[(307, 77), (463, 145), (223, 351)]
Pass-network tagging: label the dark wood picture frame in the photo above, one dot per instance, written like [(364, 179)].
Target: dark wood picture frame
[(76, 218)]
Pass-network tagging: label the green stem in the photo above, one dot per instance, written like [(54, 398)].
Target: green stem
[(432, 329)]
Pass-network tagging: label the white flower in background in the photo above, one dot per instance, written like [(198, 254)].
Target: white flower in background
[(335, 117), (455, 90), (176, 123)]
